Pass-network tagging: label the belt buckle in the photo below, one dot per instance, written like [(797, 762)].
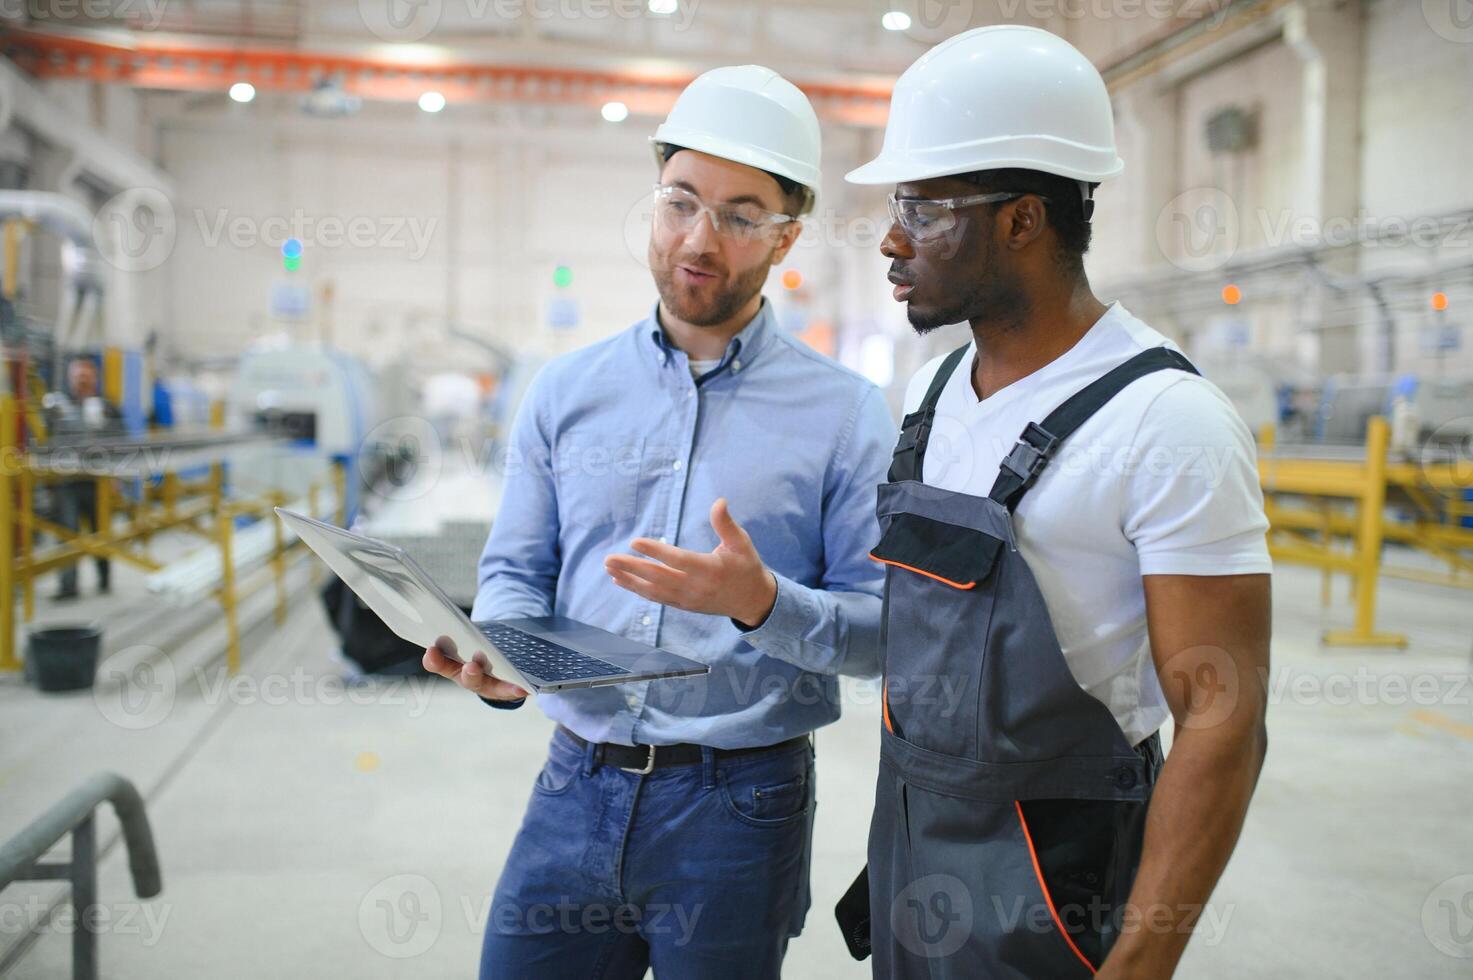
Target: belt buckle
[(649, 765)]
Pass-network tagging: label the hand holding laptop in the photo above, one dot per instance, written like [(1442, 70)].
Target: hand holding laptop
[(474, 675)]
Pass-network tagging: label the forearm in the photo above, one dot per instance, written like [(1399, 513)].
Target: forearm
[(517, 575), (510, 595), (1195, 817), (822, 631)]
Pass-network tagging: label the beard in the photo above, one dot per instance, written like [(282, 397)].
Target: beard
[(992, 298), (995, 294), (711, 310)]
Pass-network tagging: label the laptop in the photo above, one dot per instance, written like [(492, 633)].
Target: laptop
[(539, 654)]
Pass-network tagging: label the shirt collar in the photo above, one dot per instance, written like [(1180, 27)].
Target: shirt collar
[(740, 352)]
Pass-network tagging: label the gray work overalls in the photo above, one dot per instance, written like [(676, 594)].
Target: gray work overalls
[(1008, 815)]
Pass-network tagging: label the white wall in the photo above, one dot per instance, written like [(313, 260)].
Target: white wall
[(502, 196), (1380, 137), (1417, 159)]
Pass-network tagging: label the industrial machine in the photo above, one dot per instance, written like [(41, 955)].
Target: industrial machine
[(326, 402), (1347, 404)]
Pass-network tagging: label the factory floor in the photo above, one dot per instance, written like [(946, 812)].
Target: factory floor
[(309, 828)]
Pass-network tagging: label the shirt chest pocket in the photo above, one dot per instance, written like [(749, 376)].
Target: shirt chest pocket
[(597, 478)]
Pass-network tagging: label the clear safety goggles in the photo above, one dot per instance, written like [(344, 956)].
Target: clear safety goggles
[(925, 220), (678, 210)]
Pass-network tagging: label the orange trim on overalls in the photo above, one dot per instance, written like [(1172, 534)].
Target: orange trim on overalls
[(1048, 900), (885, 705), (944, 581)]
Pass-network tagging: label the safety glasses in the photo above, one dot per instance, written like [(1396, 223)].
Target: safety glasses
[(926, 220), (678, 210)]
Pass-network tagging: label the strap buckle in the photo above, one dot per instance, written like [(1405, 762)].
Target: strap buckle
[(1035, 447), (649, 765), (915, 432), (915, 429)]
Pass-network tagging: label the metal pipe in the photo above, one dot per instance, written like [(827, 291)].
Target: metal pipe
[(76, 813), (10, 459), (24, 103), (84, 898), (19, 855), (55, 212)]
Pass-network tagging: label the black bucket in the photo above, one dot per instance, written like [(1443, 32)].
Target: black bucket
[(63, 658)]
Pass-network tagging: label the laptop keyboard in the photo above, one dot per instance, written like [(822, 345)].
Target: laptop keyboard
[(547, 661)]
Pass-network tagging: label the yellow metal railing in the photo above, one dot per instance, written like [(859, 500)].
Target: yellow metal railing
[(200, 507), (1337, 522)]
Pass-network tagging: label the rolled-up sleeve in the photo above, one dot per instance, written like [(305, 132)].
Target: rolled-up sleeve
[(834, 627)]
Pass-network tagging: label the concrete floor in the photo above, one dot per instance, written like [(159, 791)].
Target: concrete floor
[(310, 829)]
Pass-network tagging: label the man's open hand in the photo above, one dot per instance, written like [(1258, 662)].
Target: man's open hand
[(729, 581)]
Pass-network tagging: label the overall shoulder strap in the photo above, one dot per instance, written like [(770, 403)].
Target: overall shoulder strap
[(1038, 443), (915, 430)]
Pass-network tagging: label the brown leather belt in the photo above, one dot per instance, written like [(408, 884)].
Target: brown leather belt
[(645, 759)]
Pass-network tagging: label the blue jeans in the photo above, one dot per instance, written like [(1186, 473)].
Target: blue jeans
[(696, 870)]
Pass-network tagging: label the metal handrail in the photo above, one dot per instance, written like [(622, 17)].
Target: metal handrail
[(20, 857)]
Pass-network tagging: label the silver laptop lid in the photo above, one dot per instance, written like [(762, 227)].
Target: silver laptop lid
[(397, 590)]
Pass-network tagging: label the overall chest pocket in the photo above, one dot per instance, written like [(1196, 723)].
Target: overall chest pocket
[(951, 554), (939, 597), (597, 478)]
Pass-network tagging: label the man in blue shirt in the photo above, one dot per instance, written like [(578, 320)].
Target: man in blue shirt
[(671, 825)]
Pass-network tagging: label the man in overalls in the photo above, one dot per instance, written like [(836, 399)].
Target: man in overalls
[(1073, 536)]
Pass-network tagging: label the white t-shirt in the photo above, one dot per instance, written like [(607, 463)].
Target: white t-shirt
[(699, 369), (1161, 481)]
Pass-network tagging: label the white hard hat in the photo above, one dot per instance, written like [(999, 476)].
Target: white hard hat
[(750, 115), (996, 98)]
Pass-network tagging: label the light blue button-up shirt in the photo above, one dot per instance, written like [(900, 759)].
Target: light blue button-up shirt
[(618, 441)]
